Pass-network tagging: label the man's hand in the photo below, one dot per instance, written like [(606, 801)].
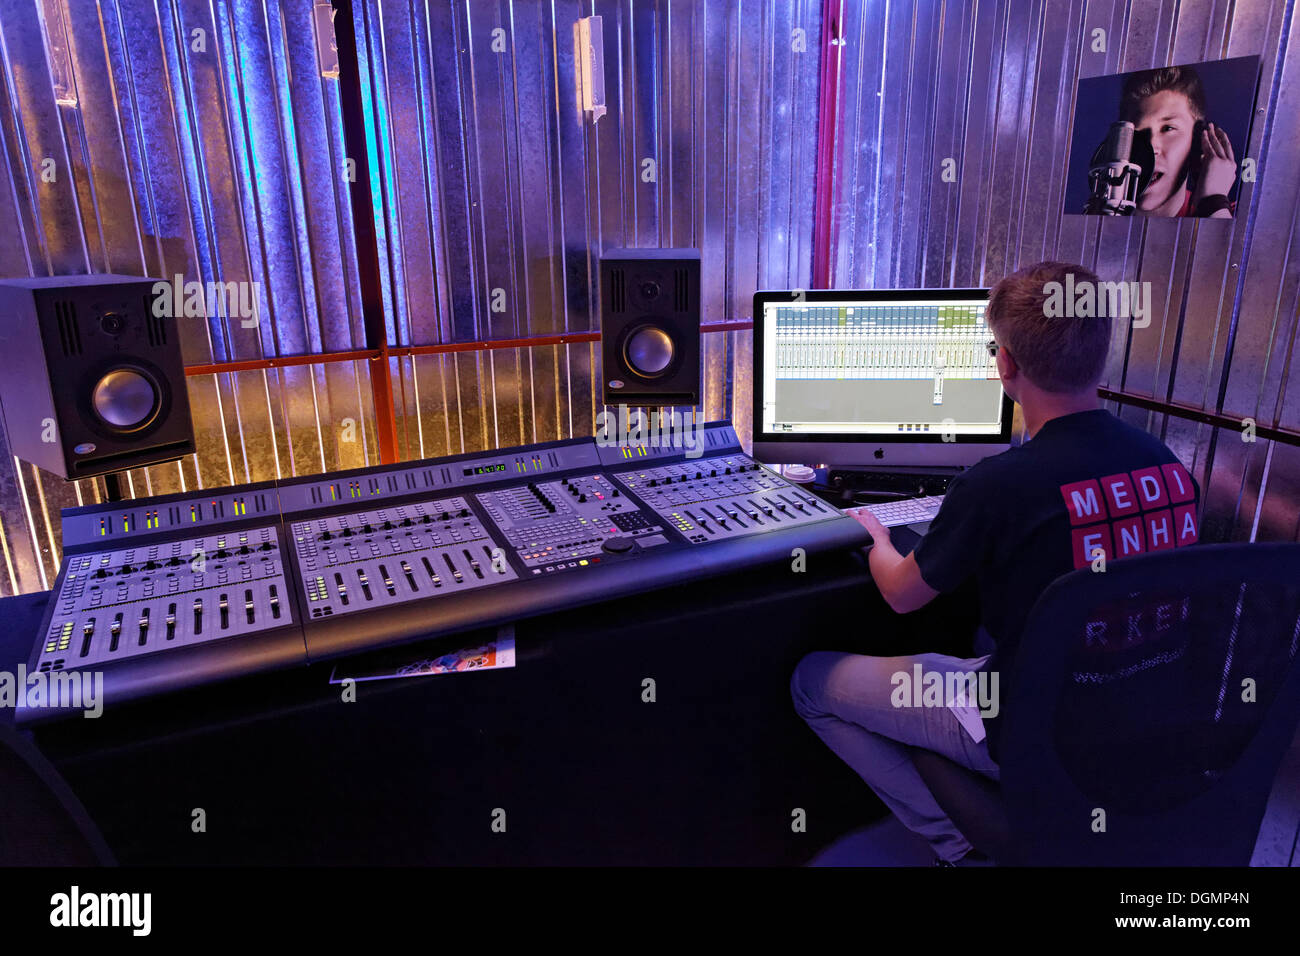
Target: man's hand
[(869, 521), (1218, 165), (897, 577)]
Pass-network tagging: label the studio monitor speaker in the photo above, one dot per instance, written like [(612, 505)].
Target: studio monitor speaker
[(650, 326), (91, 380)]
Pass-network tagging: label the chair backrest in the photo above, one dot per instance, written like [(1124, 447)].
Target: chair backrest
[(1150, 706)]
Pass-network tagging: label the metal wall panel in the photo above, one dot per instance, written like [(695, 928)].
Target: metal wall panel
[(506, 194), (991, 87)]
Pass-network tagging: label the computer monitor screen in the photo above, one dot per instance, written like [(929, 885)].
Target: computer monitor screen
[(882, 367)]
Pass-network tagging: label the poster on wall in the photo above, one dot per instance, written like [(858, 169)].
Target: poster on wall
[(1166, 142)]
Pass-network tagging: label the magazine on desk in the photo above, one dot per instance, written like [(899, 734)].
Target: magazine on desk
[(486, 655)]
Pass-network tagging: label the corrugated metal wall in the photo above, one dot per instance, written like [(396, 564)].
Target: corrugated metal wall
[(500, 196), (991, 85)]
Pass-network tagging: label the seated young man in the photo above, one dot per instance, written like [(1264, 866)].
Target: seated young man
[(1084, 486)]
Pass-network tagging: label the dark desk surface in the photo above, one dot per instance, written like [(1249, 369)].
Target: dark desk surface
[(587, 771)]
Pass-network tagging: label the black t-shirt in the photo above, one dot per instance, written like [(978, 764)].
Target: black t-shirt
[(1019, 520)]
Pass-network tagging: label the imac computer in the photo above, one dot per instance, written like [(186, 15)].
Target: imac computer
[(880, 380)]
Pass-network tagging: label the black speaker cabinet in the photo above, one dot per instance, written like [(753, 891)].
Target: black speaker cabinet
[(91, 380), (650, 326)]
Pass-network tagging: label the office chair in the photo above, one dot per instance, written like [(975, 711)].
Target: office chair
[(1149, 709)]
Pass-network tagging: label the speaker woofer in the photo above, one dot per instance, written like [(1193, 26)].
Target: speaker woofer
[(649, 351), (126, 399)]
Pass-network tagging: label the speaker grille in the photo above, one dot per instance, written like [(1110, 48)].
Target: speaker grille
[(154, 324), (681, 290), (617, 291), (65, 316)]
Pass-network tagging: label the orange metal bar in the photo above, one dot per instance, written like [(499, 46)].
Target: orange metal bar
[(400, 351), (280, 361)]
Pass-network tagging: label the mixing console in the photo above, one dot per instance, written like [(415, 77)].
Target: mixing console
[(164, 593), (723, 497)]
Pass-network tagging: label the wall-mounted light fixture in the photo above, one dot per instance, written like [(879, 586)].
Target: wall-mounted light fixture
[(327, 45), (589, 66), (57, 47)]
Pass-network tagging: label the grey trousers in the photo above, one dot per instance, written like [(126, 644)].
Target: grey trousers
[(846, 700)]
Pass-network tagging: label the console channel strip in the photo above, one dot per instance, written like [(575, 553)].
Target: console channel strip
[(723, 497), (351, 563)]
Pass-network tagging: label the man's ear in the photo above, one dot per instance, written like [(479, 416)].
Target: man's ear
[(1007, 367), (1009, 373)]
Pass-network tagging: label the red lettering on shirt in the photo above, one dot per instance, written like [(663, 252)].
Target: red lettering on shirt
[(1150, 489), (1119, 494), (1130, 537), (1087, 540), (1130, 513), (1185, 525), (1160, 530), (1179, 483), (1083, 502)]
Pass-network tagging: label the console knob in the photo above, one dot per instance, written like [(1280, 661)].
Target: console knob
[(617, 545)]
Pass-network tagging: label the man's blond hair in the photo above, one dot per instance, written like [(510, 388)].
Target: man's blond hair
[(1058, 354)]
